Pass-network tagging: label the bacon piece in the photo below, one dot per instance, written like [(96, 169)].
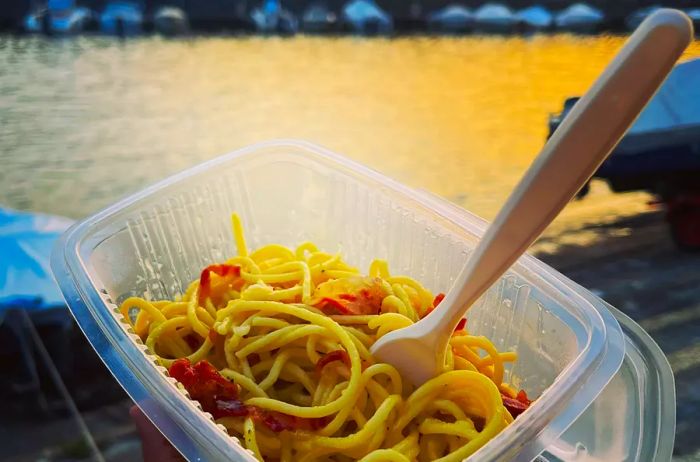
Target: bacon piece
[(319, 422), (253, 359), (193, 341), (522, 397), (461, 325), (517, 405), (230, 408), (329, 305), (438, 298), (229, 272), (202, 379), (436, 301), (219, 397), (279, 422), (350, 296), (335, 355), (276, 421)]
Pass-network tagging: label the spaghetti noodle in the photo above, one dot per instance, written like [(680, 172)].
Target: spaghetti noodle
[(275, 342)]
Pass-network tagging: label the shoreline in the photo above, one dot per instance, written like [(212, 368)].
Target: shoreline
[(409, 16)]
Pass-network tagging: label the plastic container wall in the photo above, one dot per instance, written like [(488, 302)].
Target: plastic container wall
[(154, 243), (633, 418)]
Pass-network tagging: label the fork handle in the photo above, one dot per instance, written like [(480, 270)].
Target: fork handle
[(574, 152)]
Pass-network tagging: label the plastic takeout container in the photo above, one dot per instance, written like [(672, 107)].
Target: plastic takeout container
[(152, 244)]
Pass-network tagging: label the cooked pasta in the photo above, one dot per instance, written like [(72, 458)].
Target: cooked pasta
[(275, 344)]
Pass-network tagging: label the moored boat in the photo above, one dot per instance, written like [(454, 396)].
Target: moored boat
[(534, 18), (122, 18), (318, 18), (579, 18), (59, 17), (367, 18), (452, 19), (272, 18), (494, 18), (170, 21)]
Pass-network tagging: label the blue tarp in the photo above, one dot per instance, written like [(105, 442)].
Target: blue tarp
[(665, 138), (672, 117), (26, 240)]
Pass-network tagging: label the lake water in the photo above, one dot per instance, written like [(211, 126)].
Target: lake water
[(86, 120)]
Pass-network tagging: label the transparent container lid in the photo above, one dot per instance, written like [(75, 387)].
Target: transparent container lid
[(155, 242)]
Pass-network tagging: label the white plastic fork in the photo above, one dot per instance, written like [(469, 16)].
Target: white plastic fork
[(584, 139)]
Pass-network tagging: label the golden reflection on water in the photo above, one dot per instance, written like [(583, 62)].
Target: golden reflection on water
[(89, 120)]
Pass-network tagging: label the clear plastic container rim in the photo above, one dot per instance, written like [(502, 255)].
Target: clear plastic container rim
[(587, 374)]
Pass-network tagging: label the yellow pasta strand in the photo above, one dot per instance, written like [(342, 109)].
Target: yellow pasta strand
[(293, 329), (238, 235)]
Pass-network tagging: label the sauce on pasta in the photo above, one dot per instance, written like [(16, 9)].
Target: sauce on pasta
[(274, 344)]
